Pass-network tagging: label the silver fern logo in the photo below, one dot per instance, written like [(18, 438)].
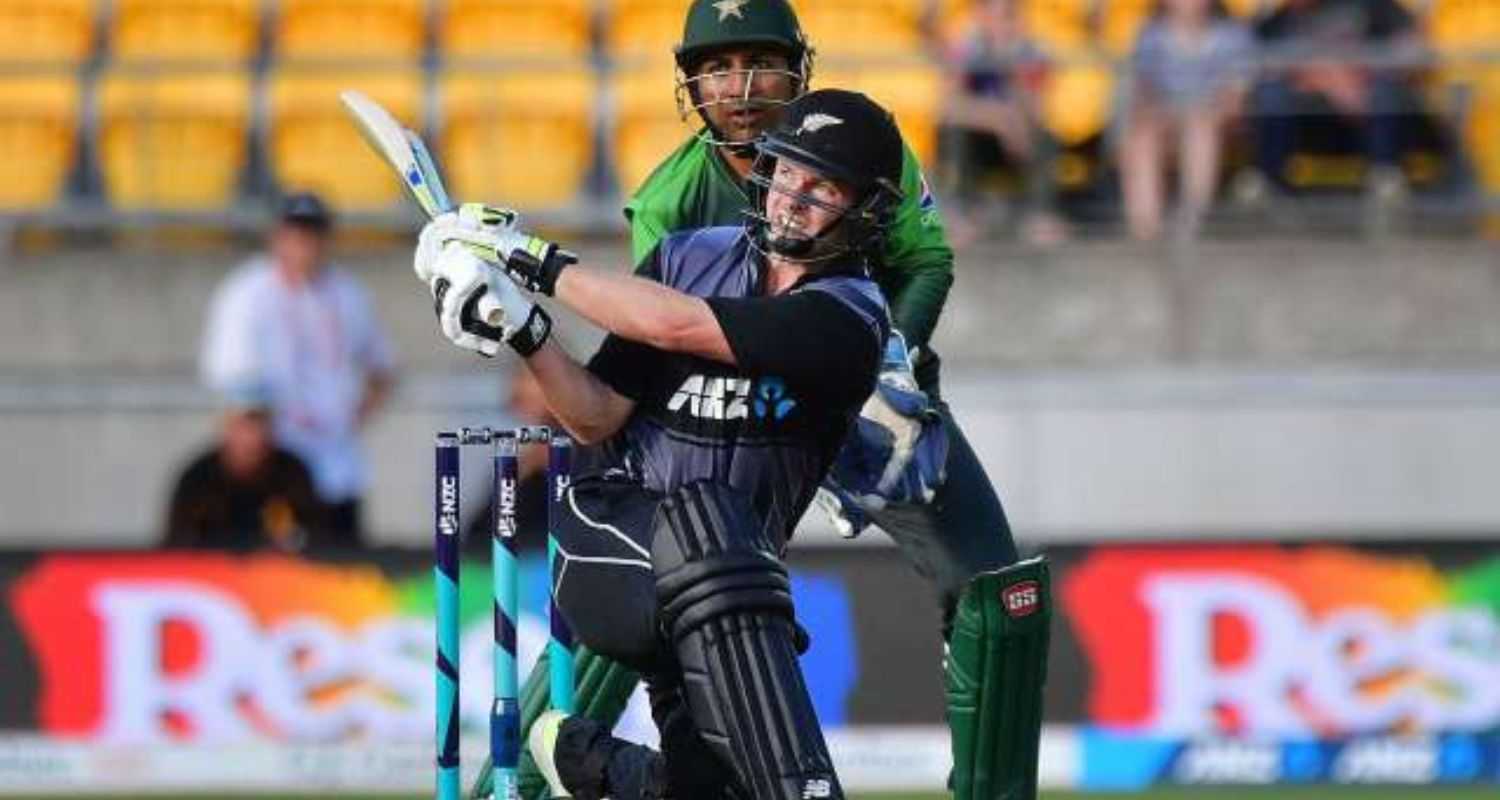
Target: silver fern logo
[(812, 123)]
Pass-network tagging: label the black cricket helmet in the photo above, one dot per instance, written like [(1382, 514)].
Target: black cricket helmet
[(715, 25), (841, 135)]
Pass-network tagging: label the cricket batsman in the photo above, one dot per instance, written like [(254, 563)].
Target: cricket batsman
[(907, 465), (736, 362)]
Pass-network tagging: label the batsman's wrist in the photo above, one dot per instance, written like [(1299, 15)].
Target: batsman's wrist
[(539, 262), (530, 337)]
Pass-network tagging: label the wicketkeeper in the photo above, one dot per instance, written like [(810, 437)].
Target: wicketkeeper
[(735, 365), (908, 466)]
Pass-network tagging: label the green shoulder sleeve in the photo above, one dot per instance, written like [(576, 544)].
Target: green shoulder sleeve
[(917, 269), (657, 207)]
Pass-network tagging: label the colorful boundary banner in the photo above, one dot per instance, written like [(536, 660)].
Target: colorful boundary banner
[(1175, 664)]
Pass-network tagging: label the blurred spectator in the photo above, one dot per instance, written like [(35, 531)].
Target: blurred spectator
[(525, 405), (244, 492), (1190, 73), (1332, 86), (308, 331), (991, 119)]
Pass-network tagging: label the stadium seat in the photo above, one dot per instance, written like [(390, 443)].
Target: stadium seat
[(522, 138), (515, 28), (1120, 23), (312, 144), (863, 27), (189, 29), (643, 31), (38, 132), (912, 93), (1457, 25), (1077, 102), (1483, 134), (371, 29), (646, 124), (1058, 24), (51, 31), (175, 141)]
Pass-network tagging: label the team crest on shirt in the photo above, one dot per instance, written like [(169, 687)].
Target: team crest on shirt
[(927, 204)]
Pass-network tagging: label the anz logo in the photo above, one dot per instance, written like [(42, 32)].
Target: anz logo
[(729, 398)]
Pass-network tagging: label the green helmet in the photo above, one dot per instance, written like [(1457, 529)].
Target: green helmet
[(714, 24)]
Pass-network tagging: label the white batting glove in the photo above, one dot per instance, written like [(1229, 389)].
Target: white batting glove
[(495, 234), (458, 281)]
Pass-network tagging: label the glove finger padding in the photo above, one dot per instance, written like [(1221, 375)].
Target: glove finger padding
[(891, 457), (462, 279)]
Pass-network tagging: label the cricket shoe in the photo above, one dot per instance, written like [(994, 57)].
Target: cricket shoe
[(542, 742)]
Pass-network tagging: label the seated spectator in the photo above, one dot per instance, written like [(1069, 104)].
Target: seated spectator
[(244, 492), (1331, 84), (1190, 73), (308, 329), (991, 118)]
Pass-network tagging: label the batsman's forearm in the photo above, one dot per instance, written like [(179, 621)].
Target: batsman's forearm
[(585, 405), (644, 311)]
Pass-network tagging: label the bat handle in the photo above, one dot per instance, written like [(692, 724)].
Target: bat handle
[(490, 310)]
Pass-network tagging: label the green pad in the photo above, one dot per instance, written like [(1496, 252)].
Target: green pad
[(602, 690), (996, 666)]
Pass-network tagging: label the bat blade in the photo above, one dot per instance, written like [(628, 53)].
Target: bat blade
[(409, 157), (394, 144)]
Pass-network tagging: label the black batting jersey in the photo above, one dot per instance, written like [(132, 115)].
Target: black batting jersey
[(771, 424)]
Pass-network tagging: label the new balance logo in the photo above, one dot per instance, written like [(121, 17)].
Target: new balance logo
[(817, 787), (717, 398), (1021, 599)]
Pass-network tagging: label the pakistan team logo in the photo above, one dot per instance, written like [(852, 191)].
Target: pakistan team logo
[(771, 399)]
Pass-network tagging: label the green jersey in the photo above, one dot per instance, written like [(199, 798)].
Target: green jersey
[(694, 188)]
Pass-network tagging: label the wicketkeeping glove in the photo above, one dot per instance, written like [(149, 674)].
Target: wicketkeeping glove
[(895, 453), (495, 234)]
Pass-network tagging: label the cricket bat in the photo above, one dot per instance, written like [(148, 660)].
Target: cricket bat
[(408, 156)]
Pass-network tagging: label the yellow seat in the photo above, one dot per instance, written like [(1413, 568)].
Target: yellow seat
[(1120, 23), (647, 126), (1077, 101), (38, 132), (863, 27), (495, 28), (644, 31), (911, 93), (369, 29), (174, 141), (188, 29), (1058, 24), (522, 138), (314, 145), (48, 31), (1483, 133), (1458, 25)]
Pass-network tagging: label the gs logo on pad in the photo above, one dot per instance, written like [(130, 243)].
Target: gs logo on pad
[(1021, 599)]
